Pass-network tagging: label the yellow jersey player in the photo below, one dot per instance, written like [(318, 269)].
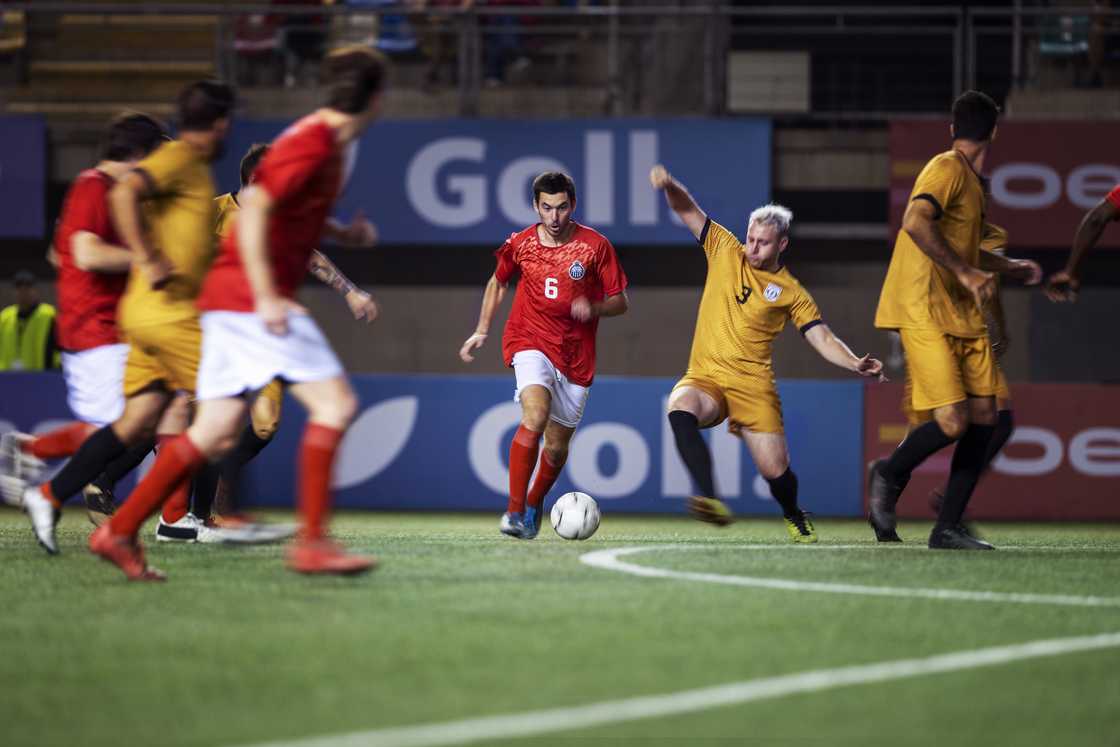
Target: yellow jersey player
[(163, 212), (748, 298), (936, 287), (264, 414)]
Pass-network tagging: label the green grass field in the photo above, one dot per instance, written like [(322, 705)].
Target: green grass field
[(460, 623)]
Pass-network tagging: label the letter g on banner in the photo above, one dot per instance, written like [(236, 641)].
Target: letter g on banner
[(423, 194)]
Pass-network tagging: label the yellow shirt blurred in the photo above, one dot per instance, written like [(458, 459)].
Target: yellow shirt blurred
[(743, 309), (180, 217), (226, 207), (918, 293)]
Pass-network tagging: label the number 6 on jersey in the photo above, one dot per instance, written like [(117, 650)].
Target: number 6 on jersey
[(551, 288)]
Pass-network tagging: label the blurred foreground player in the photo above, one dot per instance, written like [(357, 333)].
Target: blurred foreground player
[(748, 298), (255, 332), (1063, 285), (570, 276)]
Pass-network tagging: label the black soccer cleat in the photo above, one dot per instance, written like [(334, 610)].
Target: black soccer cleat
[(882, 497), (948, 537), (100, 504)]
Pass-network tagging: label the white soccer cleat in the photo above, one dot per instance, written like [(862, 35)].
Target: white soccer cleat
[(17, 469), (44, 517), (183, 530)]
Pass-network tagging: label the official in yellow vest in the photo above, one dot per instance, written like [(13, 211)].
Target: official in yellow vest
[(27, 330)]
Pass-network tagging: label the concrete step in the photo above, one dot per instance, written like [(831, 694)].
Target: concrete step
[(148, 68)]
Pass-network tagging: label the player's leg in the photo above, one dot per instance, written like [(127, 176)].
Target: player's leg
[(770, 453), (43, 503), (554, 454), (936, 386), (331, 405), (176, 522), (211, 434), (535, 375), (693, 405), (264, 421)]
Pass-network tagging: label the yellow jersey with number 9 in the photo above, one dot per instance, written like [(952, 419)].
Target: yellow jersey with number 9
[(179, 212)]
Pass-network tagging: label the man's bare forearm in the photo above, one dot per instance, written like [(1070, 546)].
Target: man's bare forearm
[(1088, 234), (680, 201), (929, 239), (491, 300), (326, 272), (992, 262)]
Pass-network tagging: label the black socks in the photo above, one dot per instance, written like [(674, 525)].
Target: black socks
[(1005, 424), (969, 460), (693, 450), (122, 465), (784, 490), (919, 445), (87, 463)]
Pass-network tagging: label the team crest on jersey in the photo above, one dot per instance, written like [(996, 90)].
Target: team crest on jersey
[(577, 270), (772, 292)]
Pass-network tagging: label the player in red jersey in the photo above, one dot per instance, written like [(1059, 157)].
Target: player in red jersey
[(1063, 285), (570, 276), (93, 271), (253, 331)]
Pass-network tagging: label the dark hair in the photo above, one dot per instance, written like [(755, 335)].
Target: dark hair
[(203, 103), (974, 116), (131, 135), (250, 160), (353, 75), (24, 279), (553, 183)]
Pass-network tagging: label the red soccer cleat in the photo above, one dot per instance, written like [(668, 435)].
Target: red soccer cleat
[(324, 556), (125, 553)]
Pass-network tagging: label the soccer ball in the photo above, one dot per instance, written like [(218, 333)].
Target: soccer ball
[(575, 516)]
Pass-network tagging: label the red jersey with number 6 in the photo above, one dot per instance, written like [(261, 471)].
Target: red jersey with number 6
[(551, 278), (87, 301)]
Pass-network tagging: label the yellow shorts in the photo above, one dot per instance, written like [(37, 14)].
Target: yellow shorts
[(746, 401), (916, 417), (166, 353), (943, 370), (265, 411)]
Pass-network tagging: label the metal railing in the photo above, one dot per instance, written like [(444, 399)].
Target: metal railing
[(654, 59)]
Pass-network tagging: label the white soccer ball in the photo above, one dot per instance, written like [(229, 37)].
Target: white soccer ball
[(575, 516)]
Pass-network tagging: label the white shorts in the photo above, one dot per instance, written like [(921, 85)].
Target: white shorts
[(568, 399), (95, 383), (240, 355)]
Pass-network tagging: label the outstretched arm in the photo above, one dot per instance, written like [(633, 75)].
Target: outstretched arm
[(1025, 270), (361, 304), (680, 201), (1063, 285), (491, 300), (920, 223), (833, 350)]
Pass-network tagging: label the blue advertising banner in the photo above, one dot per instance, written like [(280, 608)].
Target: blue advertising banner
[(468, 181), (442, 443), (23, 176)]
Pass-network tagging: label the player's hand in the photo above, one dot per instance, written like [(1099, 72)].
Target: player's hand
[(360, 234), (659, 177), (982, 285), (871, 368), (581, 310), (1029, 271), (1062, 287), (474, 342), (362, 305), (157, 270), (273, 312)]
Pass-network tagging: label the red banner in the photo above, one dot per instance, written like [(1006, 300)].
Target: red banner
[(1062, 462), (1045, 175)]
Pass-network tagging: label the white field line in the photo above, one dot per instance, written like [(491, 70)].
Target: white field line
[(609, 560), (554, 720)]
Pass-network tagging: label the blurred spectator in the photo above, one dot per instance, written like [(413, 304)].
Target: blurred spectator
[(303, 42), (503, 41), (256, 44), (27, 329)]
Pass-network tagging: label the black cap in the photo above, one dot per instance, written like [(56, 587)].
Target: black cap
[(24, 278)]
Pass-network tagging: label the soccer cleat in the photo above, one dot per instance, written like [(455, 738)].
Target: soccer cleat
[(531, 526), (44, 517), (937, 499), (512, 524), (17, 468), (801, 529), (326, 557), (183, 530), (241, 529), (100, 504), (946, 537), (125, 553), (711, 510), (881, 502)]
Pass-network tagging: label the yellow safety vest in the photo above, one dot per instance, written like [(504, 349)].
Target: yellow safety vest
[(26, 352)]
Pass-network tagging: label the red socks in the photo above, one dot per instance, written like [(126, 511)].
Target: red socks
[(317, 451), (547, 473), (177, 460), (61, 442), (522, 459)]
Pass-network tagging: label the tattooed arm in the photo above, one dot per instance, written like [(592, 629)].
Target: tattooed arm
[(361, 304)]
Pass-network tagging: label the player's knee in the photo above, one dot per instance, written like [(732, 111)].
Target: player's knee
[(534, 418), (556, 455), (952, 424), (345, 408), (265, 429), (772, 469)]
